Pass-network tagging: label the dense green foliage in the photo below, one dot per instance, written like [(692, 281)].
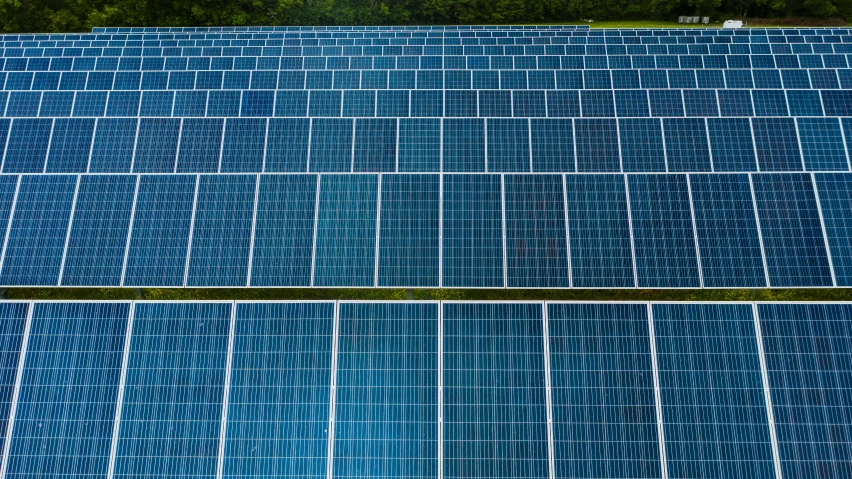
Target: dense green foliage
[(82, 15)]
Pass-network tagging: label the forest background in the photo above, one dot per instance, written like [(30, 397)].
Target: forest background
[(81, 15)]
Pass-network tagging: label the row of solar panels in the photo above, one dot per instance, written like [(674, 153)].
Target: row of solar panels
[(782, 44), (357, 48), (422, 230), (427, 62), (426, 390), (428, 80), (431, 145)]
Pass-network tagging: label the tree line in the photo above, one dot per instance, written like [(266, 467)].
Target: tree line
[(82, 15)]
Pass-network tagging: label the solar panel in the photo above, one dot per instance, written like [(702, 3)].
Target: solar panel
[(278, 403), (386, 408), (68, 391), (172, 401), (715, 417)]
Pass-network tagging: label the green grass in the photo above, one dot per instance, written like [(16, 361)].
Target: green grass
[(443, 294), (648, 24)]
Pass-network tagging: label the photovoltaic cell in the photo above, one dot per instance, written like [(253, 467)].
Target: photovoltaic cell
[(792, 233), (279, 392), (599, 231), (409, 230), (822, 144), (494, 392), (835, 198), (221, 235), (69, 388), (727, 231), (13, 317), (159, 238), (472, 231), (200, 145), (386, 409), (98, 238), (284, 230), (172, 408), (686, 144), (807, 349), (345, 249), (375, 145), (156, 145), (714, 411), (36, 238), (536, 244), (776, 144), (26, 148), (604, 416), (662, 230)]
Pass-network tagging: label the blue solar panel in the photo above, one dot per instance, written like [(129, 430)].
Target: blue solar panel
[(822, 144), (70, 145), (284, 230), (664, 241), (792, 235), (732, 144), (552, 144), (715, 417), (508, 145), (725, 224), (835, 198), (807, 363), (27, 146), (156, 145), (604, 416), (345, 251), (287, 145), (36, 239), (409, 231), (173, 393), (597, 145), (69, 390), (464, 145), (536, 243), (386, 409), (419, 144), (472, 231), (776, 144), (12, 327), (331, 144), (375, 145), (494, 418), (99, 230), (200, 145), (686, 144), (599, 231), (157, 252), (222, 230), (641, 142), (278, 403), (112, 149)]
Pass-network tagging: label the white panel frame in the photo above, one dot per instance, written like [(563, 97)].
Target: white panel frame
[(116, 428), (130, 230), (68, 233), (223, 427), (812, 179), (191, 230), (9, 223), (661, 437), (332, 398), (767, 395), (10, 424), (548, 389), (695, 233)]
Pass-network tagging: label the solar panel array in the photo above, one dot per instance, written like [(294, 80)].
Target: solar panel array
[(426, 389), (482, 156)]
